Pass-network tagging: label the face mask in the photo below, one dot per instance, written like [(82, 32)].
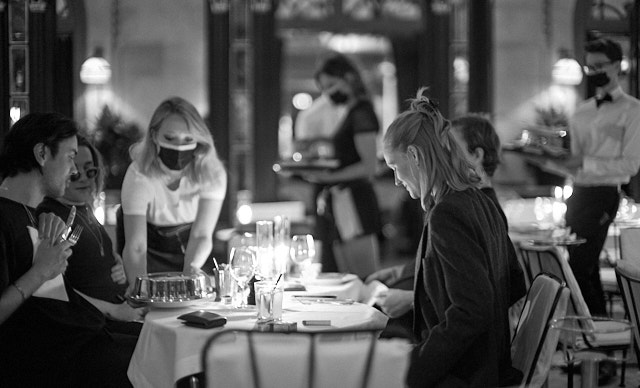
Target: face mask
[(176, 157), (599, 79), (338, 97)]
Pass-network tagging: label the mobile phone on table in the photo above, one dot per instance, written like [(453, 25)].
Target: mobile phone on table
[(316, 322)]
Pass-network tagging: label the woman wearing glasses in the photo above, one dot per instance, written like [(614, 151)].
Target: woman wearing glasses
[(172, 193), (94, 269)]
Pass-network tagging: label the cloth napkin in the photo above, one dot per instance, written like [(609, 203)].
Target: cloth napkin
[(54, 288), (370, 292)]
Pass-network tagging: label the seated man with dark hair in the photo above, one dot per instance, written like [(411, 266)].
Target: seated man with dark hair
[(50, 335)]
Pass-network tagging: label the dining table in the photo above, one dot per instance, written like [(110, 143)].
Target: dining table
[(168, 350)]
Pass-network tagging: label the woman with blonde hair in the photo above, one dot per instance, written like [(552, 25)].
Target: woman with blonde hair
[(462, 282), (172, 193)]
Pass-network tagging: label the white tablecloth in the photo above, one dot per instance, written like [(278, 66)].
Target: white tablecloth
[(167, 350)]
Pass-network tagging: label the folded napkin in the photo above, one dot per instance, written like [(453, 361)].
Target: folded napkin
[(54, 288), (371, 292)]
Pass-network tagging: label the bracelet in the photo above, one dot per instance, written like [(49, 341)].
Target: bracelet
[(21, 291)]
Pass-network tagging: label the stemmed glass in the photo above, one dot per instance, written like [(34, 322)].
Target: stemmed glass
[(302, 252), (243, 267)]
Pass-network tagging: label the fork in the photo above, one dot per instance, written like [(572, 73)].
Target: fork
[(75, 235)]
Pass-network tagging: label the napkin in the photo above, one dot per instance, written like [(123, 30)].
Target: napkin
[(54, 288), (370, 292), (345, 213)]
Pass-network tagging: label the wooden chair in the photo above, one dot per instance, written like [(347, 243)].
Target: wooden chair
[(298, 359), (534, 343)]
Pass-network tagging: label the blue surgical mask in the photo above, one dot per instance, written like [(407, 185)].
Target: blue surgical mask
[(176, 157)]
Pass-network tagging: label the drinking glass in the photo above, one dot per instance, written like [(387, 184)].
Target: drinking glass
[(281, 242), (266, 268), (269, 300), (243, 266), (302, 252)]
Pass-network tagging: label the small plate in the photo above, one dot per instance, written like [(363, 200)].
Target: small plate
[(558, 242), (330, 278)]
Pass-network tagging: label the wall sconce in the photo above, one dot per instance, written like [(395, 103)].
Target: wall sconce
[(219, 6), (95, 70), (440, 7), (567, 71), (37, 6), (15, 113)]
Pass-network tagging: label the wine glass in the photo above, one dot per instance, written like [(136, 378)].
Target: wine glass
[(302, 252), (243, 266)]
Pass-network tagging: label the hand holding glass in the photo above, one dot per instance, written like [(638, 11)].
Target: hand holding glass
[(243, 266), (303, 251)]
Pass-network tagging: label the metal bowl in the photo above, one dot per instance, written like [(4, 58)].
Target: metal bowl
[(171, 287)]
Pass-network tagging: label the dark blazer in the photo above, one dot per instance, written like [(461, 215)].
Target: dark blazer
[(462, 295)]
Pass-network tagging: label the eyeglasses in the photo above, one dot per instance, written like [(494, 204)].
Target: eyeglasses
[(90, 173), (596, 67)]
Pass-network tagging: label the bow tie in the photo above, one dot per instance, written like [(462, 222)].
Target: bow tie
[(603, 99)]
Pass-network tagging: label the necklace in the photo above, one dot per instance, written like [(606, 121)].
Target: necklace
[(32, 220), (98, 236)]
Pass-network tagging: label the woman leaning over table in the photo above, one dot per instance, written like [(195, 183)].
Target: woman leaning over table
[(461, 290), (95, 270), (172, 193)]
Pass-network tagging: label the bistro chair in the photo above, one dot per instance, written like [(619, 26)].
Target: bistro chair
[(629, 278), (626, 247), (304, 359), (534, 343), (629, 244), (549, 259)]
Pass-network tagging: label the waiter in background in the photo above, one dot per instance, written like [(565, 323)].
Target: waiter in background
[(605, 153)]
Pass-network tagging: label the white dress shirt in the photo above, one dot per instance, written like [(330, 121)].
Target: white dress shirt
[(608, 139)]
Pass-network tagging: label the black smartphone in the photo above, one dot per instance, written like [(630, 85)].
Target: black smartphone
[(203, 319)]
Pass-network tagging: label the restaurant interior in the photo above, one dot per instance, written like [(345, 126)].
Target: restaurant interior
[(248, 67)]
